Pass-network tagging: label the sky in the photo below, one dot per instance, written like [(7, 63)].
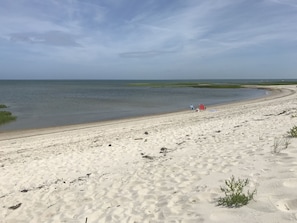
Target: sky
[(148, 39)]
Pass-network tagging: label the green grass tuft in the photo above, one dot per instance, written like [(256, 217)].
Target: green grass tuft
[(293, 132), (234, 193)]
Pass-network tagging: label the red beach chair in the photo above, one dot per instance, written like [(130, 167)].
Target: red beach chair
[(202, 107)]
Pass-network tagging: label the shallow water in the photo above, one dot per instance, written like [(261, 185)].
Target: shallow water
[(40, 104)]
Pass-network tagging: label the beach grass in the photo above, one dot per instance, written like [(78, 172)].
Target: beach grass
[(280, 144), (293, 132), (234, 193)]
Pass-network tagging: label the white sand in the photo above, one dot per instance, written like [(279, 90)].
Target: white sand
[(114, 171)]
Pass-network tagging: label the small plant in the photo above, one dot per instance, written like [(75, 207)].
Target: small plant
[(3, 106), (293, 132), (280, 144), (234, 193), (6, 116)]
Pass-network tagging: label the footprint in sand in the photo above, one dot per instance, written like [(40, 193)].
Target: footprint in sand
[(222, 216), (291, 183), (287, 205)]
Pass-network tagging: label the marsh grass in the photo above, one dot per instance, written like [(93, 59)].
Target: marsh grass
[(6, 116), (3, 106), (186, 84), (235, 196), (204, 84)]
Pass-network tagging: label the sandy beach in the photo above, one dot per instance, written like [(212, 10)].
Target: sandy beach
[(166, 168)]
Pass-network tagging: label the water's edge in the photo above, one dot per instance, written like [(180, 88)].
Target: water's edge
[(41, 105)]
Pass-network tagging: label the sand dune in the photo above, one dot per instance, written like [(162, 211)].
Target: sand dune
[(166, 168)]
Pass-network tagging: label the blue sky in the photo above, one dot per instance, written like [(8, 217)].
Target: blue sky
[(149, 39)]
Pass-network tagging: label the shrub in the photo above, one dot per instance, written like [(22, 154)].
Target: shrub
[(234, 193), (280, 144), (6, 116), (3, 106), (293, 131)]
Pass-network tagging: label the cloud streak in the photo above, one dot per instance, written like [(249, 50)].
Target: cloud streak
[(144, 54), (53, 38), (178, 30)]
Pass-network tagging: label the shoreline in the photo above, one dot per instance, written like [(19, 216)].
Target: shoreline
[(9, 134), (164, 168), (104, 102)]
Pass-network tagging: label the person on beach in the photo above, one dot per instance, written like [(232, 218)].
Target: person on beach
[(192, 107)]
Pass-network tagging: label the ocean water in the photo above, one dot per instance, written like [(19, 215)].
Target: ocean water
[(39, 104)]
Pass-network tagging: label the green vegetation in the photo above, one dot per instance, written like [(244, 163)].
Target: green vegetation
[(293, 132), (186, 84), (218, 86), (275, 83), (234, 194), (5, 116), (209, 85)]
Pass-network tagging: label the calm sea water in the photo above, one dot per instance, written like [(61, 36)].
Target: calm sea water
[(39, 104)]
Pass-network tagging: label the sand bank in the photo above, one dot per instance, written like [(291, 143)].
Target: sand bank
[(166, 168)]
